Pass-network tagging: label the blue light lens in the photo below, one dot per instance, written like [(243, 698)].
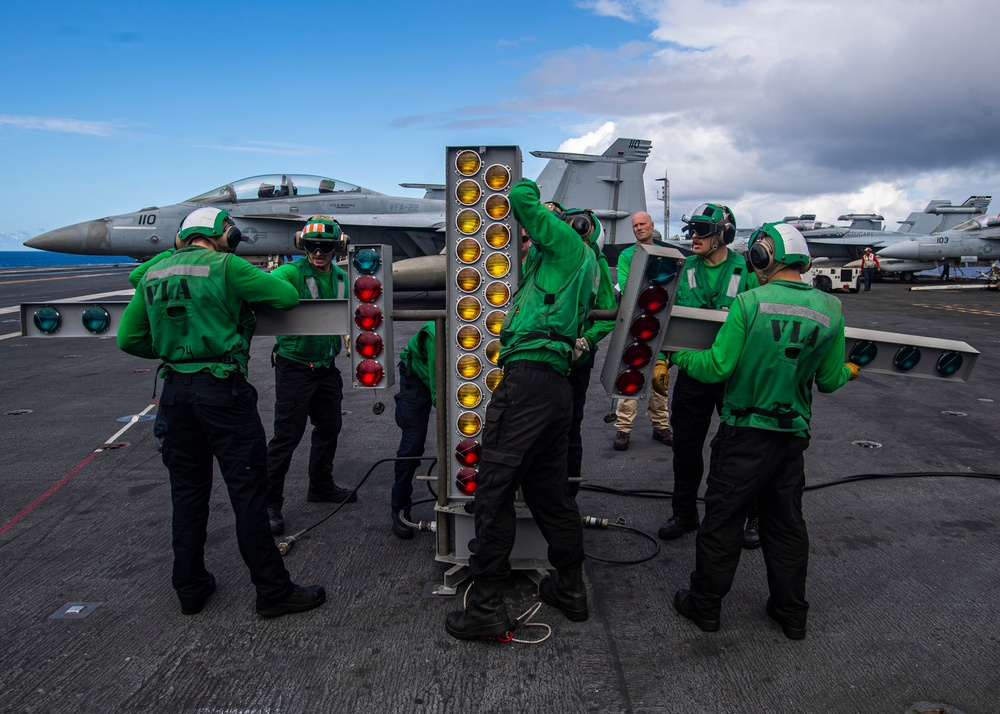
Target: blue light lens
[(47, 320), (863, 352), (906, 358), (96, 320), (949, 363), (367, 261)]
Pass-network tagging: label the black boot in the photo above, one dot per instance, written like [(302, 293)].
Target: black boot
[(567, 592), (484, 616)]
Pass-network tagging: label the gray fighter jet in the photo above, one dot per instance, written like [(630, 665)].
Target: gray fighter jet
[(974, 240), (269, 210), (844, 244)]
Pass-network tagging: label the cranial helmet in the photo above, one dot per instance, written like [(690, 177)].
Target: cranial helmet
[(868, 250), (214, 225), (775, 246), (710, 218), (325, 229)]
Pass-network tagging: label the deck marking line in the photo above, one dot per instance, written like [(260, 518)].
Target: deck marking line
[(73, 472)]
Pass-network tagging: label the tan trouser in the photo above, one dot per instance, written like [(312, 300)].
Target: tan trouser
[(657, 410)]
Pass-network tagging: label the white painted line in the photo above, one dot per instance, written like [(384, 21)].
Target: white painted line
[(133, 420)]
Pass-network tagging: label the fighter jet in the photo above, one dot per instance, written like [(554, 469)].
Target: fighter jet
[(844, 244), (269, 209), (974, 240)]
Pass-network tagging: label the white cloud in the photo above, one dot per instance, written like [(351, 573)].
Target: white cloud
[(777, 108), (60, 124)]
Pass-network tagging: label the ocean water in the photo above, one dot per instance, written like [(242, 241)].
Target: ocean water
[(45, 259)]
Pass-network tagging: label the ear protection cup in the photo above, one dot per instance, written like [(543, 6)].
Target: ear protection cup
[(582, 223), (232, 236), (298, 240), (177, 241), (761, 255), (729, 233)]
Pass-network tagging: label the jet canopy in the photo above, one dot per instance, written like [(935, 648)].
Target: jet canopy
[(258, 188), (979, 223)]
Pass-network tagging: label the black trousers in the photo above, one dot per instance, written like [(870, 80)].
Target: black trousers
[(204, 417), (751, 465), (413, 412), (302, 392), (524, 446), (691, 407)]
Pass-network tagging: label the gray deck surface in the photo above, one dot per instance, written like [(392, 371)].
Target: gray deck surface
[(903, 581)]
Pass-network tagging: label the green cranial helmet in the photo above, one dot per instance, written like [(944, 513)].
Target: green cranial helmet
[(710, 218), (321, 228), (208, 222), (786, 247)]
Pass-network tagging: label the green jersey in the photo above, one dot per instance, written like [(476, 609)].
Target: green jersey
[(556, 292), (714, 287), (310, 284), (776, 342), (188, 309), (419, 355)]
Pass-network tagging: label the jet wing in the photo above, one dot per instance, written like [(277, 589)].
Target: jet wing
[(857, 242)]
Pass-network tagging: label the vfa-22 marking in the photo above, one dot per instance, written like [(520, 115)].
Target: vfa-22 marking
[(401, 206)]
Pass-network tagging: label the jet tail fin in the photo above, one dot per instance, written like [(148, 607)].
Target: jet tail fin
[(611, 184)]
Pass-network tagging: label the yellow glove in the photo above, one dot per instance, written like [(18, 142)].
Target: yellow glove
[(855, 370), (661, 377)]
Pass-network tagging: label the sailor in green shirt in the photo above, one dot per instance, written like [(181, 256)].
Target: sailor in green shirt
[(307, 383), (526, 432), (188, 312), (711, 279), (776, 343)]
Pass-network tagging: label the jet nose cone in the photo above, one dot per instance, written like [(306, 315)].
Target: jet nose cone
[(904, 250), (88, 238)]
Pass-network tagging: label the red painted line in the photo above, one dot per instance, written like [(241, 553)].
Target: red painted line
[(34, 504)]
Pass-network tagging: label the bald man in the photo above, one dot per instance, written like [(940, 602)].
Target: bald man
[(642, 227)]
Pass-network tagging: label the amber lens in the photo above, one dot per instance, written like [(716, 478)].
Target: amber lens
[(493, 378), (468, 192), (498, 265), (469, 423), (498, 235), (493, 351), (469, 308), (468, 162), (497, 206), (468, 279), (497, 294), (469, 337), (468, 250), (469, 396), (468, 221), (497, 177), (493, 322), (469, 366)]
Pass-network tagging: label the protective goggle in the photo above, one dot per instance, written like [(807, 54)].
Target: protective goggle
[(325, 247), (701, 229)]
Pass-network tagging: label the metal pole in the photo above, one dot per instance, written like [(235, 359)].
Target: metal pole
[(441, 377)]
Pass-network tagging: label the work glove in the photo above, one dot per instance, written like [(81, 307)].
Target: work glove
[(661, 377), (581, 346), (855, 370)]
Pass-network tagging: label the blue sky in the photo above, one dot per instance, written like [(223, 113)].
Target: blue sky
[(827, 107)]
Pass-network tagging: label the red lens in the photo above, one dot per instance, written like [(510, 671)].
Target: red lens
[(368, 316), (369, 373), (644, 328), (368, 344), (637, 355), (465, 479), (468, 452), (653, 299), (630, 382), (367, 288)]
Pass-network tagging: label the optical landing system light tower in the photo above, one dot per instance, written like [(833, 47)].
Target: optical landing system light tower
[(484, 265)]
